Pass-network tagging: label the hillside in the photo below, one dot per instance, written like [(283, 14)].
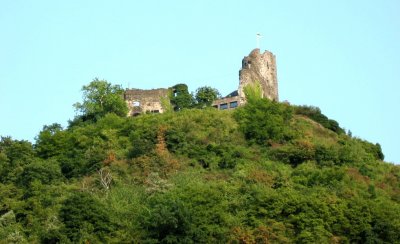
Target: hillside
[(264, 173)]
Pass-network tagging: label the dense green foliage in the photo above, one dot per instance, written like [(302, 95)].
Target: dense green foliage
[(99, 98), (82, 214), (263, 173), (264, 121), (181, 98), (205, 96)]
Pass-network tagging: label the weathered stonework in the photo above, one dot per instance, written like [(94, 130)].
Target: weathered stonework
[(145, 101), (256, 67), (262, 68)]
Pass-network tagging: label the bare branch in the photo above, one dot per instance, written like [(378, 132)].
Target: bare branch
[(105, 178)]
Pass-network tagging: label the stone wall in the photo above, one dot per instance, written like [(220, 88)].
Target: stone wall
[(255, 67), (145, 101), (262, 68)]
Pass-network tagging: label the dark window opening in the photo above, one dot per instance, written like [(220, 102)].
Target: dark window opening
[(223, 106), (233, 104)]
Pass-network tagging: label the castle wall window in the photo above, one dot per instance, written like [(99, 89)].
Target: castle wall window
[(233, 104), (223, 106)]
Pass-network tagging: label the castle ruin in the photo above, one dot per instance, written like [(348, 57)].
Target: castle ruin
[(256, 68), (145, 101)]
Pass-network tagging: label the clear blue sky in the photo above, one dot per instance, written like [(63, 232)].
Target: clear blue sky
[(342, 56)]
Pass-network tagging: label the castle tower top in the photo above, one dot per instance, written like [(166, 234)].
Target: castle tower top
[(259, 67)]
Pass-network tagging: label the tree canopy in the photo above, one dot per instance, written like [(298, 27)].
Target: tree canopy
[(206, 95), (101, 97), (261, 173)]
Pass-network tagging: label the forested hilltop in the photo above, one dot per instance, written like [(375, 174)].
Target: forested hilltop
[(266, 172)]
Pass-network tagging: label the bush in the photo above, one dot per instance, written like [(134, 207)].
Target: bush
[(264, 121), (169, 220), (85, 218), (326, 156), (47, 172), (294, 154)]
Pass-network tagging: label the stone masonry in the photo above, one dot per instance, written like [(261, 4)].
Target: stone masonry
[(256, 67), (262, 68), (145, 101)]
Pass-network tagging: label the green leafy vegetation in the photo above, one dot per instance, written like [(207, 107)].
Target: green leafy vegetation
[(263, 173), (265, 121), (205, 96), (181, 98), (100, 98)]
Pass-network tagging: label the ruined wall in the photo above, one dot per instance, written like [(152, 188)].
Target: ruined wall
[(255, 67), (142, 101), (262, 68)]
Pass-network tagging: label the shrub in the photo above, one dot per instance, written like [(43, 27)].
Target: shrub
[(47, 172), (264, 121), (169, 220), (294, 154), (85, 218), (326, 156)]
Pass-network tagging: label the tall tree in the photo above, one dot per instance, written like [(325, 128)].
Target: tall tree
[(99, 98), (206, 95)]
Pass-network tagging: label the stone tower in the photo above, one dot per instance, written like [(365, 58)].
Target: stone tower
[(262, 68)]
